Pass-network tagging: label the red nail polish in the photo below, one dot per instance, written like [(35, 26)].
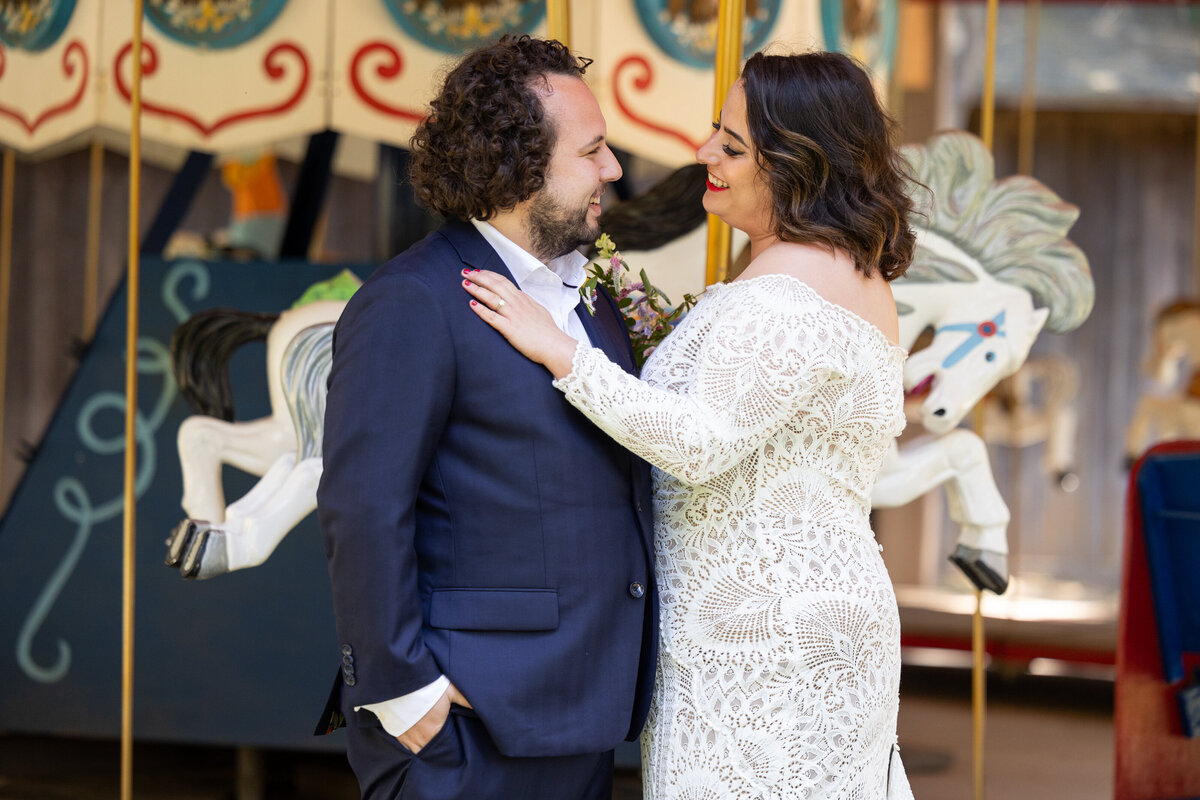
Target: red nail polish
[(465, 271), (466, 283), (474, 303)]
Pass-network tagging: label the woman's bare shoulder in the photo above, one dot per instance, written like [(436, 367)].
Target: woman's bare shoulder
[(821, 268), (831, 275)]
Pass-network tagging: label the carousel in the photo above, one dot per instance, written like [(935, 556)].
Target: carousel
[(162, 556)]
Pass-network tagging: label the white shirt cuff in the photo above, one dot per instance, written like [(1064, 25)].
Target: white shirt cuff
[(401, 713)]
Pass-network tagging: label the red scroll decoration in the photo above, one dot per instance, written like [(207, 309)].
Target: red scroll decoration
[(68, 66), (271, 65), (642, 83), (389, 69)]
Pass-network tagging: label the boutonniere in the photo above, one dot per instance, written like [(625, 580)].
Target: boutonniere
[(648, 313)]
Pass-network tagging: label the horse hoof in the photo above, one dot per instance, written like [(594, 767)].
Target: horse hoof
[(179, 540), (984, 568), (194, 556), (205, 556)]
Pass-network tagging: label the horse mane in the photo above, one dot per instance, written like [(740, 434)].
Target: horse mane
[(1015, 228), (200, 352), (307, 361), (664, 212)]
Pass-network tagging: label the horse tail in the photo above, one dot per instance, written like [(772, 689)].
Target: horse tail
[(200, 351), (667, 210), (307, 360)]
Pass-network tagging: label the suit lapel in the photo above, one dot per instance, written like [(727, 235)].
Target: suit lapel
[(607, 331), (473, 249)]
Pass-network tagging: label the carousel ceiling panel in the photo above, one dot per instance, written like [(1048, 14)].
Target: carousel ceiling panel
[(388, 55), (225, 75), (48, 72), (655, 80), (223, 82)]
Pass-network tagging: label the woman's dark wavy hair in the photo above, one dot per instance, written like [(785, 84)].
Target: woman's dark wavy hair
[(825, 147), (486, 143)]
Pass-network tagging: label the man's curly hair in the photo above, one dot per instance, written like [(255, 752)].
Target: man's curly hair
[(486, 143)]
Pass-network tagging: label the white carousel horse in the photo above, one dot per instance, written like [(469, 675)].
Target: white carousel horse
[(283, 448), (992, 268), (1172, 412)]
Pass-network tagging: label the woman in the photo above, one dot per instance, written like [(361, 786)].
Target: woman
[(766, 414)]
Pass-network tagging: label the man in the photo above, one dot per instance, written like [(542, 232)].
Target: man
[(488, 547)]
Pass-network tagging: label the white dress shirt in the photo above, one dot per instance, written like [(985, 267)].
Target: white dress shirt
[(554, 285)]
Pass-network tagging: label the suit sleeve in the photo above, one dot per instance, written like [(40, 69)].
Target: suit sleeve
[(390, 389)]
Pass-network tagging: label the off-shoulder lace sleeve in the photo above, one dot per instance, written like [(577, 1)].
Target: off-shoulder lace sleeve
[(758, 355)]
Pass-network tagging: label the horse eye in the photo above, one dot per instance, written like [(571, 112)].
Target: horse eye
[(990, 356)]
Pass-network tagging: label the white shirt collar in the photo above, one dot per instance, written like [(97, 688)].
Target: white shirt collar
[(568, 268), (554, 285)]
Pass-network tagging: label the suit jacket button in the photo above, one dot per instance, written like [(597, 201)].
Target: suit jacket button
[(350, 680), (636, 590), (347, 650)]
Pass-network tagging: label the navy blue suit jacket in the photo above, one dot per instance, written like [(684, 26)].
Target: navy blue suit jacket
[(476, 524)]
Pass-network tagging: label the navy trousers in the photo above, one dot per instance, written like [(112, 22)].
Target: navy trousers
[(461, 763)]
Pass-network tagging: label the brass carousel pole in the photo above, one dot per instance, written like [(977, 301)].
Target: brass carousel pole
[(1028, 112), (730, 19), (131, 352), (558, 20), (1196, 219), (987, 129)]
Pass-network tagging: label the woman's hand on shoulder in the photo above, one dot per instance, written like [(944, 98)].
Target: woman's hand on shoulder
[(520, 319)]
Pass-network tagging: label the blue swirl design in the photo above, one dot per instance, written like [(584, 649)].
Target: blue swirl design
[(71, 497), (215, 24), (695, 43), (34, 25), (457, 31)]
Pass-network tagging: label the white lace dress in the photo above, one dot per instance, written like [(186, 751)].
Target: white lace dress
[(766, 415)]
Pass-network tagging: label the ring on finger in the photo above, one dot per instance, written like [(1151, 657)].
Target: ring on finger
[(500, 304)]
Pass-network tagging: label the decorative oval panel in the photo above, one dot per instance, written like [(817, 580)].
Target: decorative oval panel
[(456, 26), (686, 30), (864, 30), (34, 24), (213, 23)]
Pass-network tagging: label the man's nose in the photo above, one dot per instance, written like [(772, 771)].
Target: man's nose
[(612, 168)]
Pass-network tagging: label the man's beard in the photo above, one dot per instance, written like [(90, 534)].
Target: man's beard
[(555, 229)]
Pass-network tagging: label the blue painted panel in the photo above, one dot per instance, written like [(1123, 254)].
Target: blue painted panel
[(34, 27), (459, 30), (1170, 506), (213, 26), (694, 43), (245, 658)]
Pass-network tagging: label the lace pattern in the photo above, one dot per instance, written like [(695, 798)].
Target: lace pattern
[(766, 416)]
